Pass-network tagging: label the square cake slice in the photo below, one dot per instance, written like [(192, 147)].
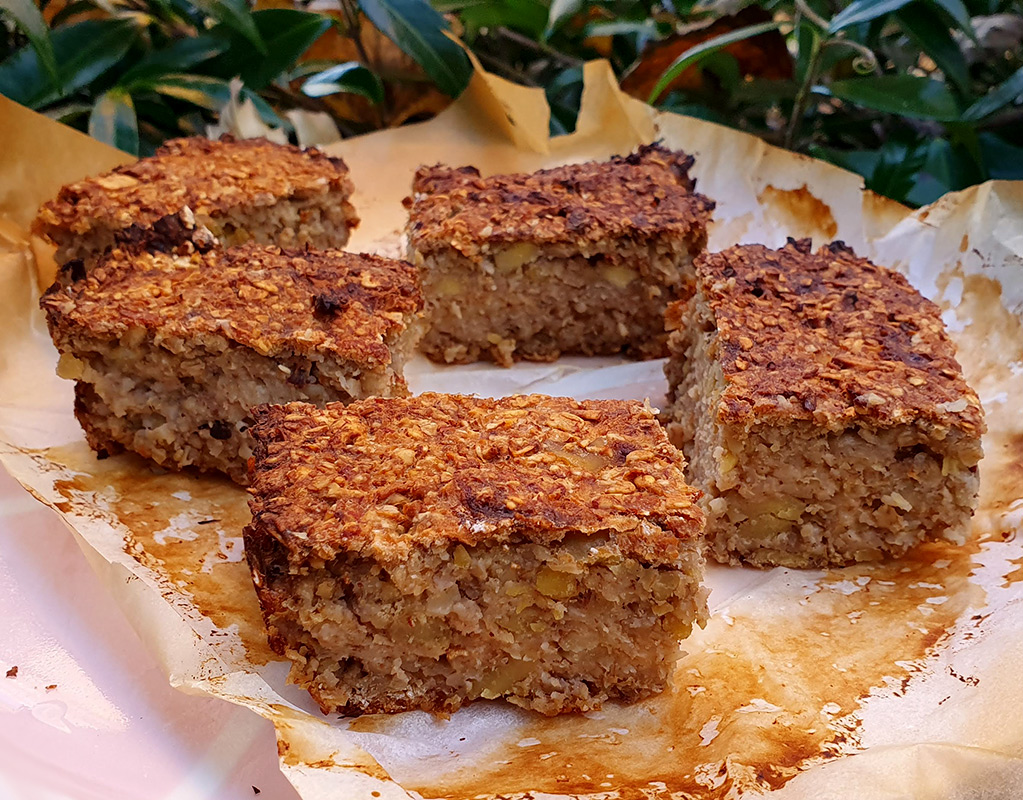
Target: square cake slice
[(241, 190), (171, 351), (578, 259), (425, 552), (821, 408)]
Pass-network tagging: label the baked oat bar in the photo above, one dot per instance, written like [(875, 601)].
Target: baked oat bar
[(425, 552), (170, 352), (578, 259), (239, 189), (821, 408)]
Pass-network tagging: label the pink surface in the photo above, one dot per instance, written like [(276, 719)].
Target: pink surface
[(113, 727)]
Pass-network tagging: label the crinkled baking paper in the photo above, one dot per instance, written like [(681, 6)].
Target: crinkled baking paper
[(891, 681)]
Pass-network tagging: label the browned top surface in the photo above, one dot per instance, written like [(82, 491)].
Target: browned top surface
[(209, 177), (272, 300), (648, 193), (832, 338), (383, 475)]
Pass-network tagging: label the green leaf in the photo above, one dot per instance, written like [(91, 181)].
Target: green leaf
[(526, 16), (809, 39), (646, 27), (350, 77), (199, 90), (561, 10), (1004, 161), (235, 14), (451, 6), (957, 10), (564, 93), (70, 11), (675, 103), (897, 168), (863, 11), (265, 110), (66, 112), (419, 31), (113, 121), (761, 92), (931, 35), (694, 54), (84, 51), (287, 33), (29, 19), (182, 54), (306, 68), (999, 97), (725, 68), (906, 95)]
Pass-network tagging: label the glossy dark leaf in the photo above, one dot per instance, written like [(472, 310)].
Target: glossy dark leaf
[(526, 16), (199, 90), (931, 35), (70, 11), (897, 168), (287, 33), (761, 91), (723, 66), (181, 55), (350, 77), (694, 54), (863, 11), (420, 32), (265, 110), (677, 104), (561, 11), (646, 27), (237, 16), (906, 95), (564, 94), (999, 97), (84, 51), (1004, 161), (959, 13), (808, 37), (66, 112), (29, 19), (114, 122), (451, 6), (305, 69)]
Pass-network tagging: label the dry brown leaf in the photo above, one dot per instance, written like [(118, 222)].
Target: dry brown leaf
[(763, 56)]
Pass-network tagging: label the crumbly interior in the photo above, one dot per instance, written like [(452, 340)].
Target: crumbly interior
[(554, 628), (524, 303), (802, 496), (189, 406), (321, 221)]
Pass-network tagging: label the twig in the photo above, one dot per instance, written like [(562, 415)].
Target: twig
[(355, 31), (351, 14), (810, 14), (803, 95), (539, 47), (867, 57), (283, 97), (496, 65)]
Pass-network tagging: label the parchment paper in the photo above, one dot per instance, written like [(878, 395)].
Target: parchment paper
[(889, 681)]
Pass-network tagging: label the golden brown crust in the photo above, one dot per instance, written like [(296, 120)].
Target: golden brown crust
[(381, 476), (209, 177), (646, 194), (271, 300), (831, 338)]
